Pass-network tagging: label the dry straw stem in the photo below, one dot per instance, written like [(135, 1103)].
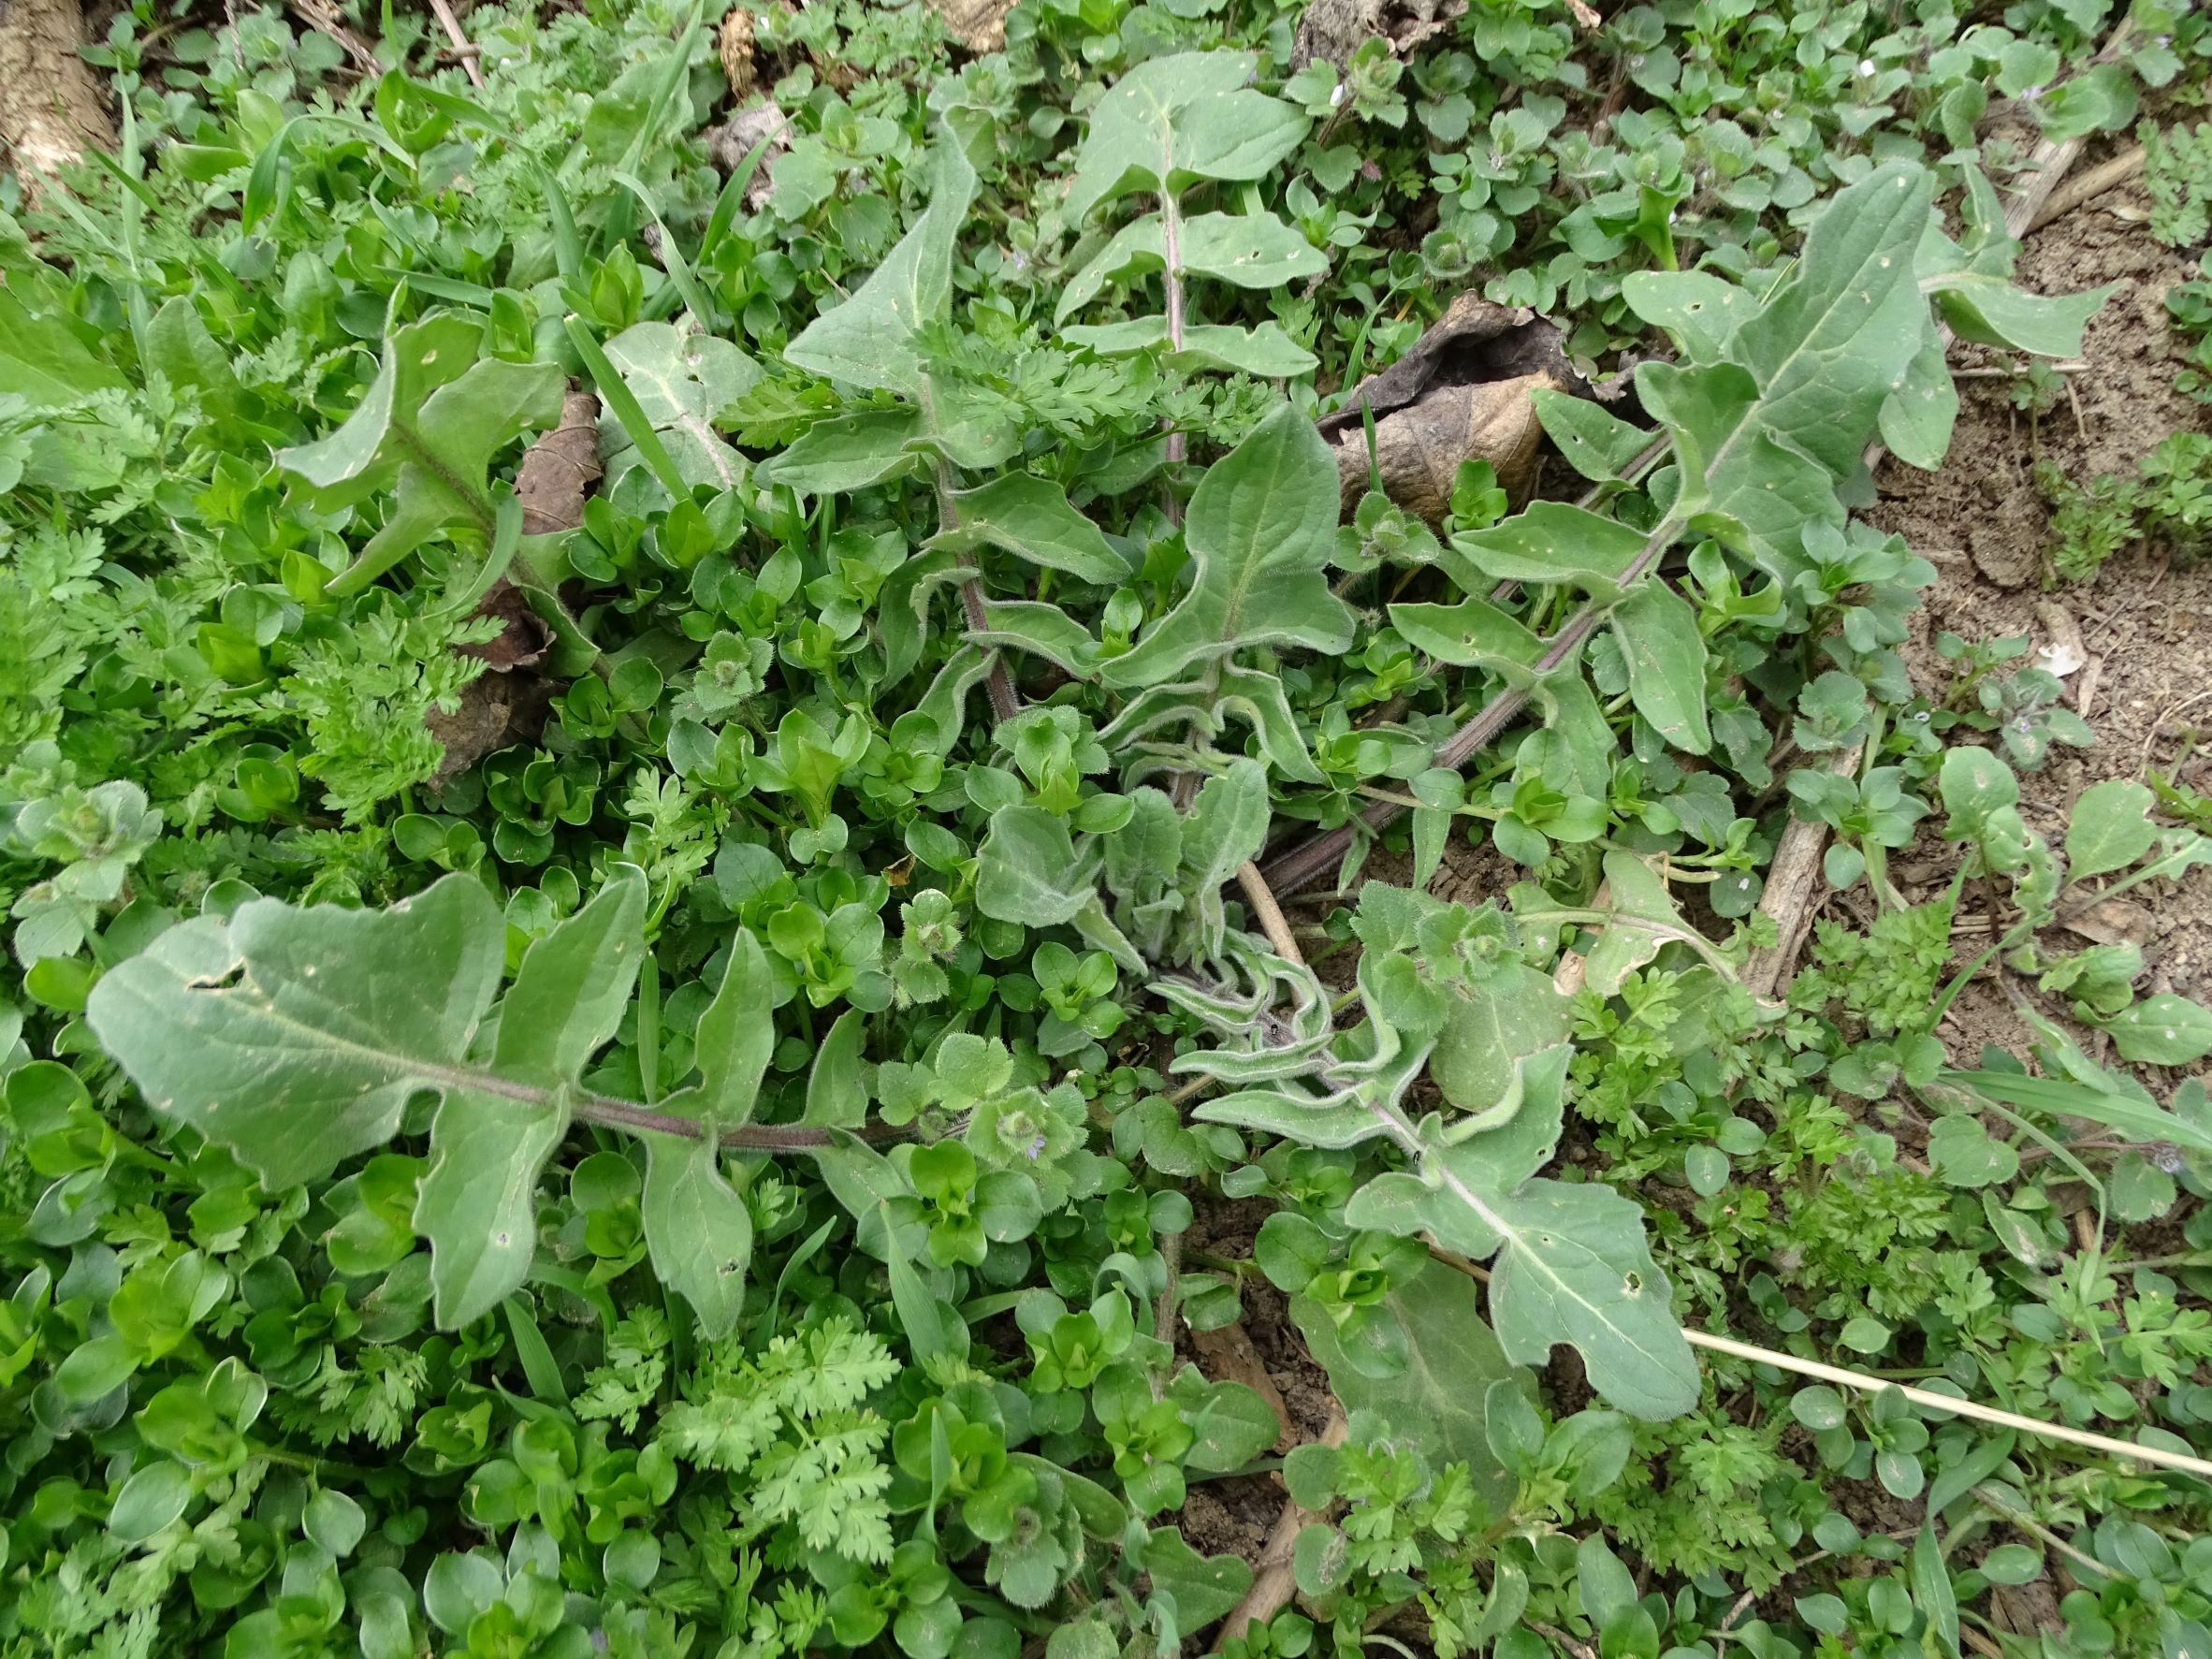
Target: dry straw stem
[(324, 16), (462, 48), (1268, 913), (1983, 1414), (1794, 886), (2178, 1460), (2092, 184)]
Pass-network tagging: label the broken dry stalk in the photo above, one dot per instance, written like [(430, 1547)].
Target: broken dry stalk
[(2090, 185), (1274, 1583), (1793, 886), (1271, 922), (1301, 865), (462, 48), (1926, 1397)]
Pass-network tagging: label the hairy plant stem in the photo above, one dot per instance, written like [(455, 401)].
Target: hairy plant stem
[(605, 1110), (1005, 700), (1305, 863)]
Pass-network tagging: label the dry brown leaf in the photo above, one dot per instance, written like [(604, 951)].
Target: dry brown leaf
[(978, 24), (1227, 1355), (728, 145), (734, 43), (561, 467), (1420, 448), (507, 703), (523, 638), (1462, 393), (2115, 922), (1335, 29)]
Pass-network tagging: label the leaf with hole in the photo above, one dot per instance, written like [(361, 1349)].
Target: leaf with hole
[(295, 1037)]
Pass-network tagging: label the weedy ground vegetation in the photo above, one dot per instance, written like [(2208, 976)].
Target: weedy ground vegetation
[(769, 893)]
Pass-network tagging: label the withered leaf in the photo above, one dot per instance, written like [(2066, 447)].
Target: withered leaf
[(505, 704), (1462, 393), (1418, 448), (978, 24), (559, 469), (728, 145), (1335, 29)]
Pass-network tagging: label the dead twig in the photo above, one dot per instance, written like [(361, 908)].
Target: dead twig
[(2105, 176), (462, 48), (1227, 1355), (1793, 886), (1268, 913), (325, 18), (1558, 1637), (2006, 372), (1273, 1584), (2049, 163)]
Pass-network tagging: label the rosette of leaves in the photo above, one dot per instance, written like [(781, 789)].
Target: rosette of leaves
[(1167, 127), (1449, 992)]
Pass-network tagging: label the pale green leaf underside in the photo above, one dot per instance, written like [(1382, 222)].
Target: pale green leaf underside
[(1438, 1400), (294, 1036), (698, 1232), (1030, 516), (478, 1204), (869, 339)]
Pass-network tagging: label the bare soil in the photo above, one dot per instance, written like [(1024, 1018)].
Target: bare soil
[(2144, 620)]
